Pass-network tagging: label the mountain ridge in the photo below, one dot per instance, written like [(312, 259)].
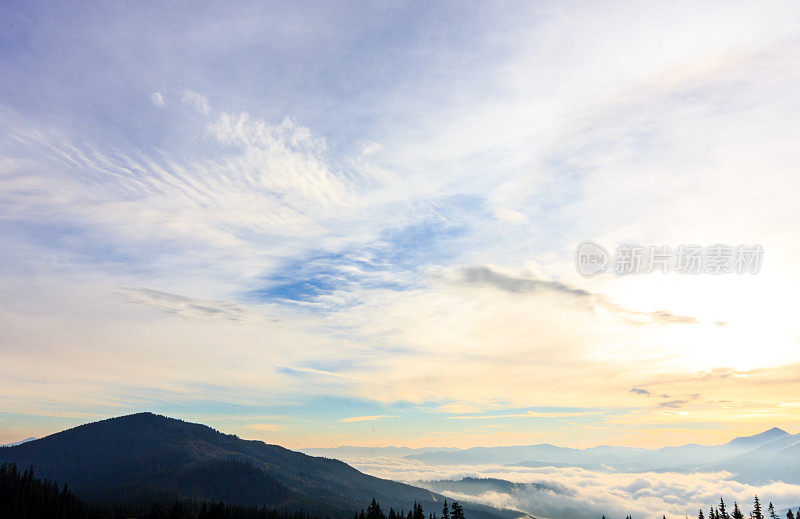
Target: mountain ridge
[(412, 451), (144, 456), (776, 445), (14, 444)]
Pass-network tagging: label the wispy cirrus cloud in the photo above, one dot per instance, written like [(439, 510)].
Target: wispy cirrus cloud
[(197, 101), (527, 414), (304, 221), (226, 205), (268, 427), (372, 418), (158, 99)]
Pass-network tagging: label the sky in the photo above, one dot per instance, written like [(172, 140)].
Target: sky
[(322, 224)]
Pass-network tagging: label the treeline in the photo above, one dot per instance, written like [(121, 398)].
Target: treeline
[(721, 512), (24, 496), (374, 511)]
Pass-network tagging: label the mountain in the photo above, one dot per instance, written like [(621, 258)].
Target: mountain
[(737, 455), (19, 442), (145, 457), (775, 460), (500, 455), (758, 440), (347, 451)]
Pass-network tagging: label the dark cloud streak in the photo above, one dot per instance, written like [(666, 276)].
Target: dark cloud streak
[(486, 276)]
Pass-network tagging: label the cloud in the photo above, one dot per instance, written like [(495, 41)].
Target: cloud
[(371, 148), (510, 216), (223, 206), (460, 408), (484, 275), (673, 403), (365, 418), (487, 276), (639, 391), (284, 157), (197, 101), (184, 306), (577, 493), (157, 99), (678, 403), (265, 427), (527, 414), (273, 207)]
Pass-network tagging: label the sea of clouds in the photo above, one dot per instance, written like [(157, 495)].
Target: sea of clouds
[(572, 492)]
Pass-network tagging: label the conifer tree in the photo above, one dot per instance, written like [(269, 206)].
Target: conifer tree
[(723, 514), (737, 514), (700, 515), (757, 509), (771, 509), (374, 510), (790, 514), (445, 511)]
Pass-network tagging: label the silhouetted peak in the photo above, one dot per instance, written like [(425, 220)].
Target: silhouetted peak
[(777, 430), (760, 438), (147, 418)]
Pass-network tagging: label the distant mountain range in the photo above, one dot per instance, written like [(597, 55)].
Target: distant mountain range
[(19, 442), (770, 455), (347, 451), (145, 457)]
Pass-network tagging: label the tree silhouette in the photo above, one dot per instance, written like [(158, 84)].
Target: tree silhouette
[(374, 510), (757, 510)]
